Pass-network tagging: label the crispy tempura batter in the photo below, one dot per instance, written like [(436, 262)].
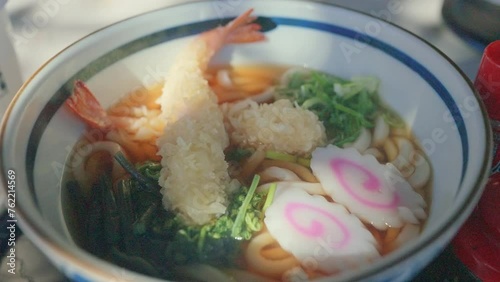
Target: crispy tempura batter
[(194, 175)]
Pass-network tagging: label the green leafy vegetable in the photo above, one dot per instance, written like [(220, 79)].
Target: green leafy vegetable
[(130, 226), (218, 242), (238, 154), (344, 106), (141, 224), (392, 118), (151, 170), (130, 168)]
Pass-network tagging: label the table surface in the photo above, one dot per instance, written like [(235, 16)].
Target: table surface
[(51, 25)]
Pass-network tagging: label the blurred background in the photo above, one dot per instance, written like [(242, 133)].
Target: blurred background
[(39, 29)]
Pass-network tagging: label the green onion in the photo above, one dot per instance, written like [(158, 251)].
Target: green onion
[(270, 197), (235, 232), (273, 155), (304, 162), (253, 223), (201, 240)]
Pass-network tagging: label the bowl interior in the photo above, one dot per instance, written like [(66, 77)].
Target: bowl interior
[(418, 82)]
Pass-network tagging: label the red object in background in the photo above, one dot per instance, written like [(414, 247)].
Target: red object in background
[(487, 80), (477, 244)]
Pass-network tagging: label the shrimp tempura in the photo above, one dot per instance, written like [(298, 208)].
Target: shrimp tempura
[(194, 177)]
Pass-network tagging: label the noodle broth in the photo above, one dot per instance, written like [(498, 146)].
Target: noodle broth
[(113, 216)]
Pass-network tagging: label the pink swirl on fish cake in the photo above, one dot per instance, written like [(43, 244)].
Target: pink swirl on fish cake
[(316, 229), (372, 184)]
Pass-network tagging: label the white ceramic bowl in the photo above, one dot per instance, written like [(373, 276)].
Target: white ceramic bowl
[(418, 81)]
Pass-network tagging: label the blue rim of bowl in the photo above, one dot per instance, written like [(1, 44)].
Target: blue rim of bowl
[(63, 93)]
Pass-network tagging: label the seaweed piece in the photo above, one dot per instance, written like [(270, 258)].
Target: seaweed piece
[(144, 182)]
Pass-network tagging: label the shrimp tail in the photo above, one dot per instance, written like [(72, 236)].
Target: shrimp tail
[(84, 105), (246, 34), (242, 30), (239, 30)]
